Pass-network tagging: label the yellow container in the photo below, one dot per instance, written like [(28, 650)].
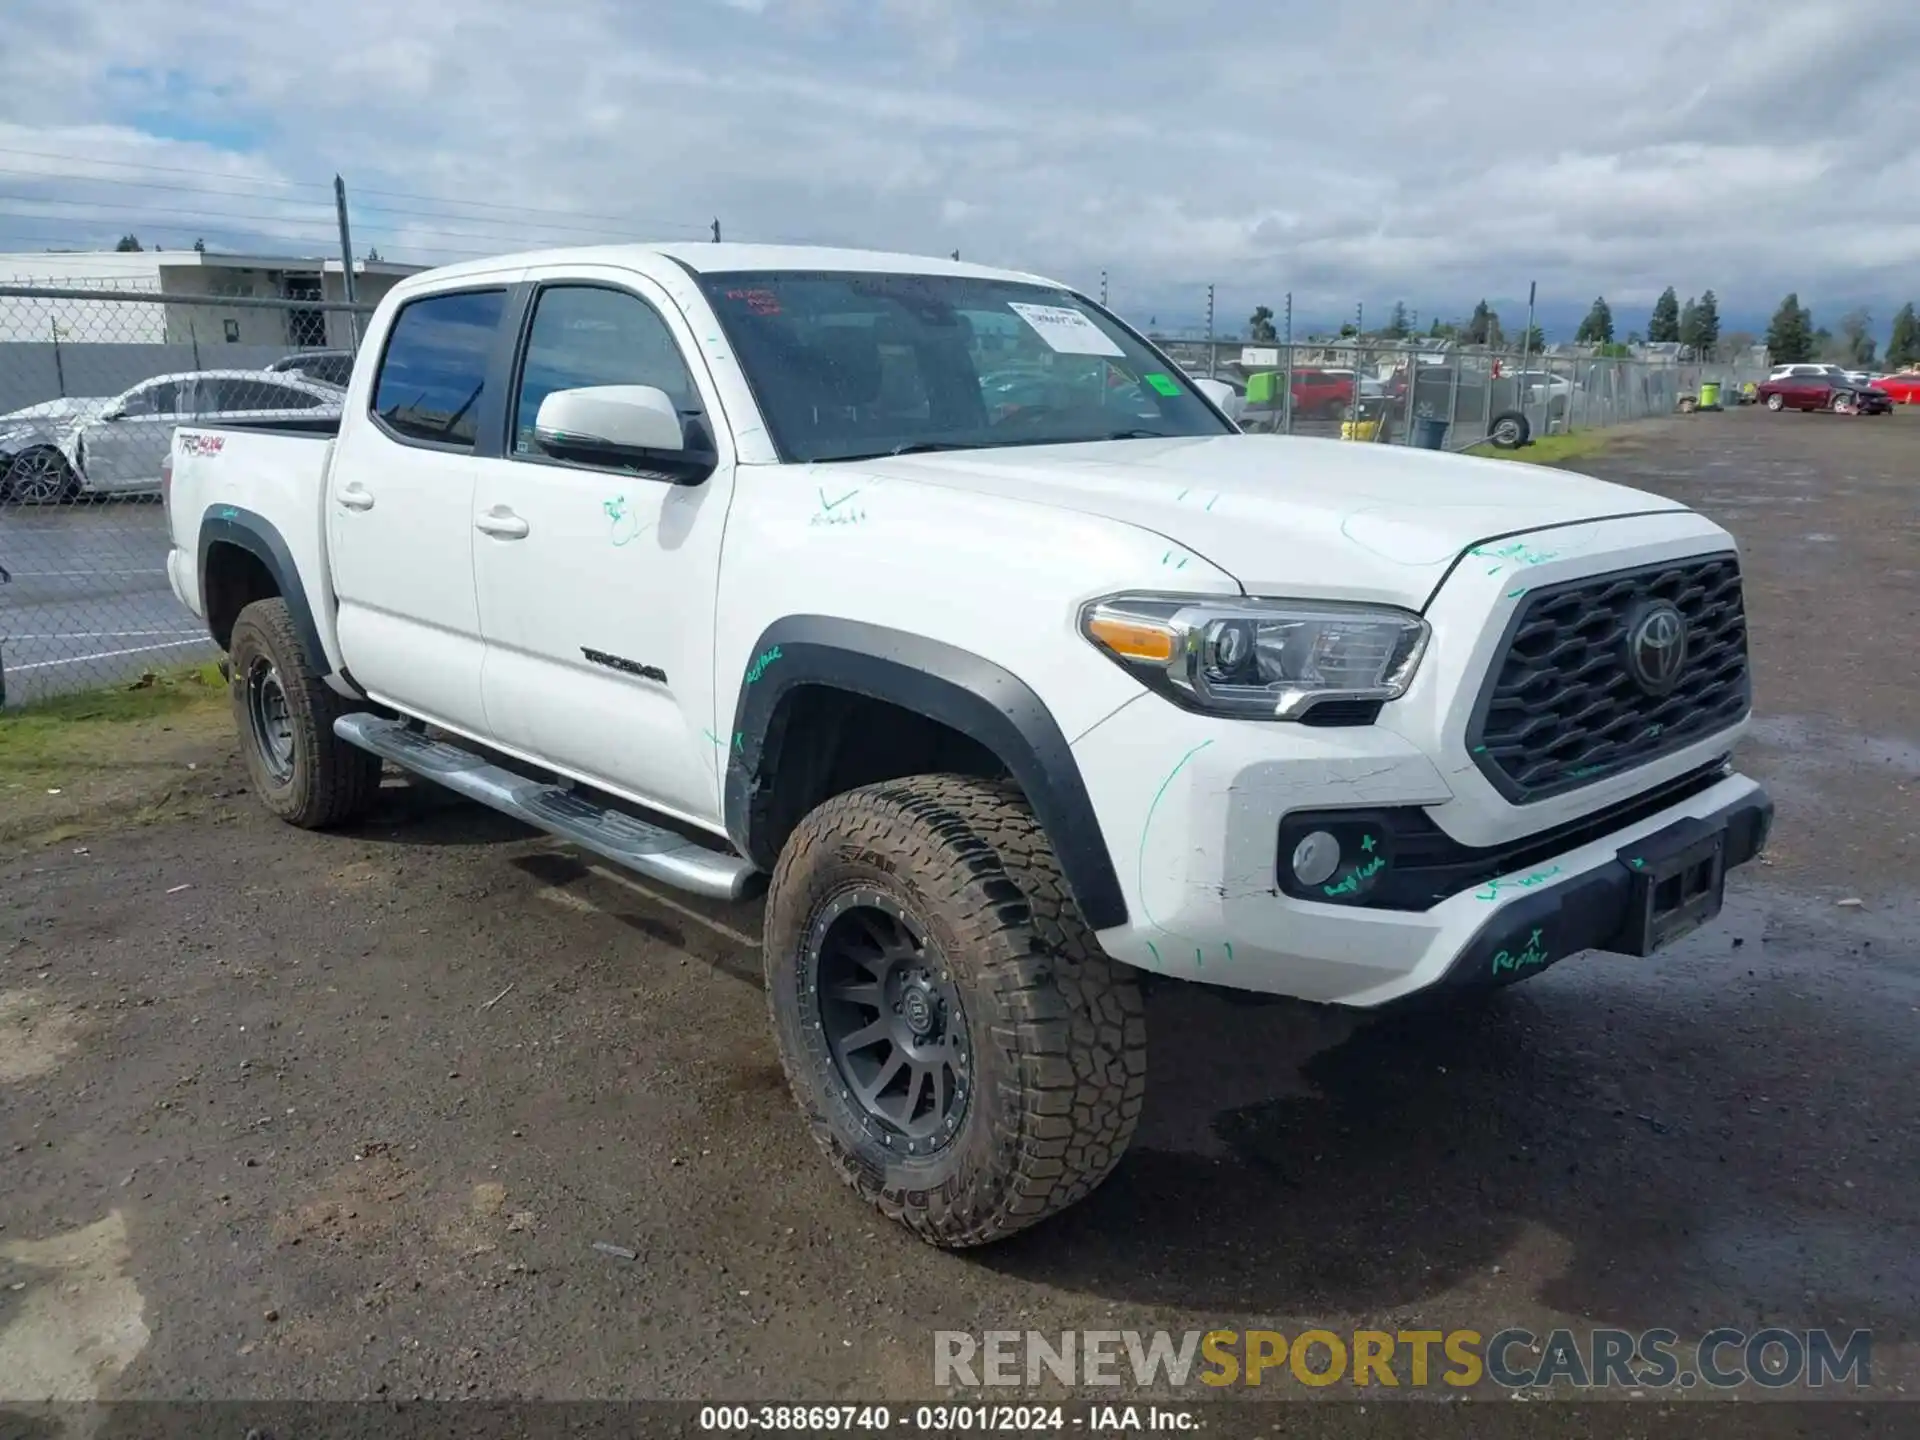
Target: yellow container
[(1359, 429), (1709, 394)]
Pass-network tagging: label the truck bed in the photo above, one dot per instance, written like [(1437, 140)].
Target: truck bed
[(328, 425)]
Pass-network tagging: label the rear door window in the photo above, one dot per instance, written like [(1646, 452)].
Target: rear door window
[(435, 367)]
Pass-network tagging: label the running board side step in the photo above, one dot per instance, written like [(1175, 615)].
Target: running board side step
[(626, 840)]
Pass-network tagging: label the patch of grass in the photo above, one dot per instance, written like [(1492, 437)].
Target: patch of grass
[(67, 724), (1552, 449), (130, 750)]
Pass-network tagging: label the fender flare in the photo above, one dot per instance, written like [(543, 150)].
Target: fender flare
[(230, 525), (953, 687)]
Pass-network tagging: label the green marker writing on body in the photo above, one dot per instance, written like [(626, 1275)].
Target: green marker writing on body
[(759, 666), (1523, 882), (1535, 954)]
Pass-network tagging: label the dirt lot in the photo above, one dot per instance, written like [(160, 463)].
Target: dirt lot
[(285, 1115)]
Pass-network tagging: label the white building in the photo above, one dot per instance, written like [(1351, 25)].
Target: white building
[(189, 275)]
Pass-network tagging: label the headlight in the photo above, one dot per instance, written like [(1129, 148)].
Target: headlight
[(1258, 659)]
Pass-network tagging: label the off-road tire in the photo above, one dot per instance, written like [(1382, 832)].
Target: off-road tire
[(330, 781), (1057, 1031)]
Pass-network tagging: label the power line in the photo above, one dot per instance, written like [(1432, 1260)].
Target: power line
[(132, 215), (164, 169), (147, 185), (353, 191), (322, 243), (358, 205)]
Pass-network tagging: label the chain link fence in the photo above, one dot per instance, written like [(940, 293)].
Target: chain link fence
[(1382, 392), (93, 383)]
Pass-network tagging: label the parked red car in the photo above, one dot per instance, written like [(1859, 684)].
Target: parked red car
[(1902, 389), (1820, 387)]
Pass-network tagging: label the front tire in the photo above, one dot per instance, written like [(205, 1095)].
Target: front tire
[(301, 770), (1776, 402), (40, 476), (964, 1052)]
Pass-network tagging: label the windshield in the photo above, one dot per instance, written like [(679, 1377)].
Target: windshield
[(848, 366)]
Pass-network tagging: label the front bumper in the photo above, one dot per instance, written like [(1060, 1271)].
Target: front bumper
[(1198, 854), (1620, 906)]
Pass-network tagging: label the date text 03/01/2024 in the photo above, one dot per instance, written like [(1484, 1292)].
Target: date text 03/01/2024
[(942, 1419)]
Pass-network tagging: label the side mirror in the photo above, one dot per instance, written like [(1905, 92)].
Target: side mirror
[(616, 424), (1221, 394), (116, 412)]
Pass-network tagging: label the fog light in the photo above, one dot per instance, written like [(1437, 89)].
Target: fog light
[(1315, 858)]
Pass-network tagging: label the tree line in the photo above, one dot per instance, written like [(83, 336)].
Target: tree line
[(1793, 338)]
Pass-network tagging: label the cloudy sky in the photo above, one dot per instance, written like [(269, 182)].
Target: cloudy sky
[(1428, 152)]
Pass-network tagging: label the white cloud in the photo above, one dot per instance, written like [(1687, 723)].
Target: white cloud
[(1435, 153)]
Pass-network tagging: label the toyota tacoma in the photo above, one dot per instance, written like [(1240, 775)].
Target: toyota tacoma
[(718, 562)]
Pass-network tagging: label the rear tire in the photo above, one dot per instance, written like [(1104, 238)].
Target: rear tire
[(1031, 1038), (301, 770)]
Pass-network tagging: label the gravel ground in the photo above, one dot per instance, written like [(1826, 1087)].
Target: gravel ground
[(298, 1116)]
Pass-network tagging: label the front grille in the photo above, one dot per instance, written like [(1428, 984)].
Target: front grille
[(1563, 707)]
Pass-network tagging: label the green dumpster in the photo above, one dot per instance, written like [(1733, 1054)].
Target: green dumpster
[(1709, 394), (1262, 389)]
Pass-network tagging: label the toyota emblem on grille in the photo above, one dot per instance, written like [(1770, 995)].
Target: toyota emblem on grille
[(1657, 647)]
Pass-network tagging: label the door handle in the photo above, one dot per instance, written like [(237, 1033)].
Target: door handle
[(356, 497), (500, 522)]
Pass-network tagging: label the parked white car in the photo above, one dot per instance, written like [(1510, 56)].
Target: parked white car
[(1540, 385), (115, 445)]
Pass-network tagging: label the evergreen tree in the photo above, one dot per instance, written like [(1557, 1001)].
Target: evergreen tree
[(1597, 328), (1260, 325), (1689, 320), (1903, 344), (1397, 327), (128, 243), (1483, 327), (1790, 338), (1663, 326), (1703, 333), (1534, 341)]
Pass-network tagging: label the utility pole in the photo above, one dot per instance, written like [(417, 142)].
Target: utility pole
[(1103, 289), (716, 229), (1286, 398), (1211, 353), (346, 260), (956, 254)]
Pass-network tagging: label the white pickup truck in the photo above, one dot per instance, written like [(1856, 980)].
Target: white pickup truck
[(721, 562)]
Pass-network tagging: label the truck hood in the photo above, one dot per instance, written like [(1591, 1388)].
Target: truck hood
[(1284, 516)]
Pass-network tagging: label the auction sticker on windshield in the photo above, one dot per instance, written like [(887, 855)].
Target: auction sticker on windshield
[(1066, 331)]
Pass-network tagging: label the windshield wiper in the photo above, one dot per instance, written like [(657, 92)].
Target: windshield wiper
[(912, 447), (1139, 435)]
